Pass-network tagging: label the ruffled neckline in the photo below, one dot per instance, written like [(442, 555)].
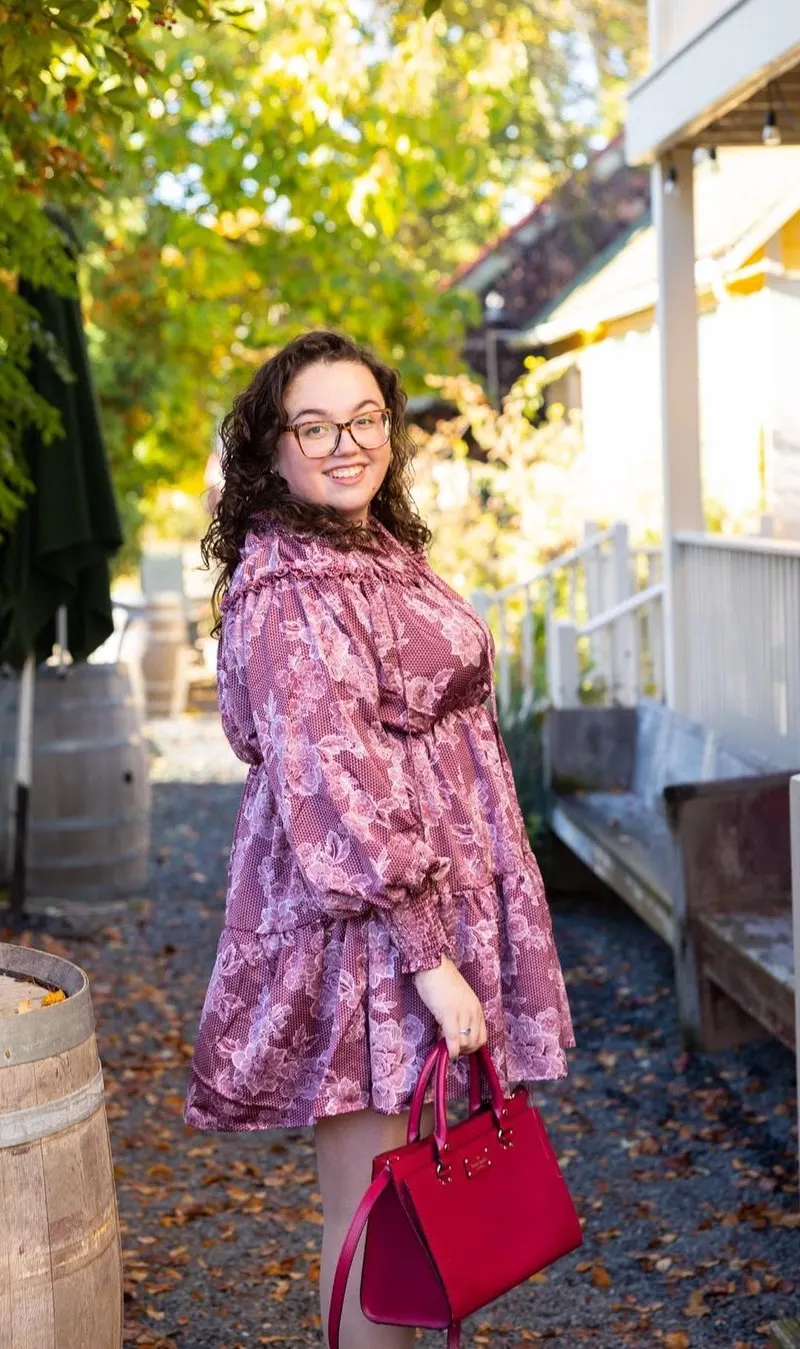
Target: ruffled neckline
[(272, 552)]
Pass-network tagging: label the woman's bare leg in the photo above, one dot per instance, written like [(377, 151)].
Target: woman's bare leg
[(345, 1147)]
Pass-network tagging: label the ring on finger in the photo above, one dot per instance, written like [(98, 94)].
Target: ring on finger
[(466, 1030)]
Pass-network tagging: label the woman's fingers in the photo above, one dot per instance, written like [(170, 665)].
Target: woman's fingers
[(448, 996), (479, 1035), (465, 1030), (451, 1034)]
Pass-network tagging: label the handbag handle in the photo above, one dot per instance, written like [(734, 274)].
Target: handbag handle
[(437, 1056), (437, 1062), (475, 1092)]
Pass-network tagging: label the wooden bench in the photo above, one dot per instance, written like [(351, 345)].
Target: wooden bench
[(785, 1335), (694, 835)]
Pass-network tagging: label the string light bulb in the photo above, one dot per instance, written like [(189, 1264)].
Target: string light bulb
[(493, 304), (671, 184), (771, 132)]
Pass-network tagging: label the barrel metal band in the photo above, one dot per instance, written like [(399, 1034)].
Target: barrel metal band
[(40, 1121), (46, 1030), (65, 746)]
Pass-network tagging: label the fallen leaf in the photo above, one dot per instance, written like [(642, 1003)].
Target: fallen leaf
[(600, 1277), (696, 1306)]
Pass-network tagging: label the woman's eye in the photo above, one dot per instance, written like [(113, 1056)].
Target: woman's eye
[(368, 419), (312, 430)]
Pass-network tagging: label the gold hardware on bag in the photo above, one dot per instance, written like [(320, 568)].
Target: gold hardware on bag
[(443, 1169)]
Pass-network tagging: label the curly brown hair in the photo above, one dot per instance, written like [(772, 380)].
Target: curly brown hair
[(253, 487)]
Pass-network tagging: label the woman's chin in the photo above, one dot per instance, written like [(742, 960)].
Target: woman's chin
[(352, 505)]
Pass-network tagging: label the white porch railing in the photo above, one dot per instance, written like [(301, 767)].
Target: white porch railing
[(587, 625), (632, 637), (737, 616), (676, 22)]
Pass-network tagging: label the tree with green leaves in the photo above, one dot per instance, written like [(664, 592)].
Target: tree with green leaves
[(294, 165), (70, 74)]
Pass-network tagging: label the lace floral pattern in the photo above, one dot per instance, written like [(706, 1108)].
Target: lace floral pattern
[(378, 829)]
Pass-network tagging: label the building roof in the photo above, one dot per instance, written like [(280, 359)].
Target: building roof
[(739, 205), (532, 263)]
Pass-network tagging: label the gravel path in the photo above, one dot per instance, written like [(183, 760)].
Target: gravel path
[(685, 1171)]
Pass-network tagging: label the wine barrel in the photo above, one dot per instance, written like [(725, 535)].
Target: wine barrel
[(89, 821), (60, 1255), (165, 656)]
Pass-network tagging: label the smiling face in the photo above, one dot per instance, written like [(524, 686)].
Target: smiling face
[(349, 479)]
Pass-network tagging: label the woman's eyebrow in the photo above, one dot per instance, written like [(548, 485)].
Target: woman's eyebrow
[(322, 412)]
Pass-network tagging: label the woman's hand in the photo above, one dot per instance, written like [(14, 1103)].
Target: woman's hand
[(448, 996)]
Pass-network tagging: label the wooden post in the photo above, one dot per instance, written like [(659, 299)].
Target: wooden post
[(624, 636), (528, 653), (625, 639), (593, 580), (562, 663), (673, 211), (621, 563), (684, 955), (591, 571), (655, 642)]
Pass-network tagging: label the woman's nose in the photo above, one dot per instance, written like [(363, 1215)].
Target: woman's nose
[(349, 444)]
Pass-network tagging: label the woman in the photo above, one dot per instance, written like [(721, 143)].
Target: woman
[(381, 888)]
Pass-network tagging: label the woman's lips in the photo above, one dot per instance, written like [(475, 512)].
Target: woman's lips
[(347, 477)]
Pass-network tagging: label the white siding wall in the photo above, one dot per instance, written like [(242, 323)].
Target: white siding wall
[(620, 473), (620, 470), (734, 342)]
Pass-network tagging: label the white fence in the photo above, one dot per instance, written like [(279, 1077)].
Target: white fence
[(587, 626), (737, 617)]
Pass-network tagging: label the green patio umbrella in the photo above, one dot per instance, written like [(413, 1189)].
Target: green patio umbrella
[(54, 564)]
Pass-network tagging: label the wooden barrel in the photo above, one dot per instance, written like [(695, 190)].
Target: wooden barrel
[(60, 1256), (89, 822), (165, 656)]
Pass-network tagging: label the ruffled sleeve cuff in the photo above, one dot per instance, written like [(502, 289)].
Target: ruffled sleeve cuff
[(416, 927)]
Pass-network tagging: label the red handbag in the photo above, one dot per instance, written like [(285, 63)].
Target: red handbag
[(458, 1218)]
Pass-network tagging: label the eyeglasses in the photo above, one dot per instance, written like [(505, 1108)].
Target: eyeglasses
[(370, 430)]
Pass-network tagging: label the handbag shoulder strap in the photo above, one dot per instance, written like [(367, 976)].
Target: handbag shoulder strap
[(347, 1254)]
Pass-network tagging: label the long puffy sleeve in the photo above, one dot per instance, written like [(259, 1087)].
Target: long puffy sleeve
[(342, 781)]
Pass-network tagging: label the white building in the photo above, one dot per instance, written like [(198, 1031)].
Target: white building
[(723, 72)]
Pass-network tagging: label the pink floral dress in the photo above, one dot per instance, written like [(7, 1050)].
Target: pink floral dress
[(378, 829)]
